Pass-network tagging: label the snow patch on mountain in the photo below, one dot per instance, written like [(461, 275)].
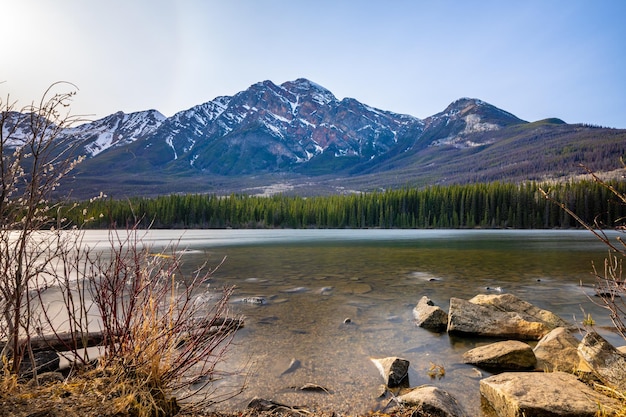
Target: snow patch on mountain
[(170, 143), (274, 129), (118, 129), (473, 124)]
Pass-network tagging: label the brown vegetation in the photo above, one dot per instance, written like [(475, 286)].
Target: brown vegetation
[(162, 333)]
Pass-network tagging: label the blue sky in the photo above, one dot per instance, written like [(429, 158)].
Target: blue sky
[(536, 59)]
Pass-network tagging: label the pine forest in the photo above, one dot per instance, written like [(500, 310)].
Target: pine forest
[(493, 205)]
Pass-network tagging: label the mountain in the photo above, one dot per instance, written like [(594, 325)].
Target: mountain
[(266, 128), (297, 137), (116, 130)]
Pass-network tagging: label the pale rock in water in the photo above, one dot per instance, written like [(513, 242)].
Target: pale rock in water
[(394, 370), (429, 316), (511, 355), (502, 316), (511, 303), (294, 365)]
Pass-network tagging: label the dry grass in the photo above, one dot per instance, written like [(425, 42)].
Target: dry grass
[(161, 337), (608, 411), (93, 393), (109, 393)]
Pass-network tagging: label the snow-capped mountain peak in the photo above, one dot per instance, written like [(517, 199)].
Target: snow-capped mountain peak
[(299, 131), (117, 129)]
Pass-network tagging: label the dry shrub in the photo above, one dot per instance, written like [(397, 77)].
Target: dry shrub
[(165, 333), (34, 159)]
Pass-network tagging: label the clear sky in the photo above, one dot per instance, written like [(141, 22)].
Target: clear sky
[(533, 58)]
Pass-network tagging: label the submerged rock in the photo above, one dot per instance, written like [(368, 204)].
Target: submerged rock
[(295, 290), (294, 365), (254, 300), (261, 404), (310, 387), (356, 288)]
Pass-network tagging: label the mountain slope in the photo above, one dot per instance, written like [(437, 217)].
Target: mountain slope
[(116, 130), (269, 128), (299, 136)]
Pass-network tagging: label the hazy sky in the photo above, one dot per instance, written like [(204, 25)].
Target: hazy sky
[(536, 59)]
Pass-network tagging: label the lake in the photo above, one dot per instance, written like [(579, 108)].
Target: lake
[(313, 280)]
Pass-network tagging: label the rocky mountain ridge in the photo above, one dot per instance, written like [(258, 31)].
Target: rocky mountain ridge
[(299, 133)]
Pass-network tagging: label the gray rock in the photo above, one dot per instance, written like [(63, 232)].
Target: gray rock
[(254, 300), (510, 355), (261, 404), (606, 362), (557, 351), (394, 370), (294, 365), (429, 316), (295, 290), (502, 316), (517, 394), (432, 401), (511, 303)]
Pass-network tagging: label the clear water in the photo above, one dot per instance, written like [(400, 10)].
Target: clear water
[(315, 279)]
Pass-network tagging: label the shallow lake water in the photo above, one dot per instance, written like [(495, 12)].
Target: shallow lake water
[(313, 280)]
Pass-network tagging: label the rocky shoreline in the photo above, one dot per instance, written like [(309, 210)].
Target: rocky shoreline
[(560, 376), (566, 372)]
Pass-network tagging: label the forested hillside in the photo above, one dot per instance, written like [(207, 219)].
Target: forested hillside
[(494, 205)]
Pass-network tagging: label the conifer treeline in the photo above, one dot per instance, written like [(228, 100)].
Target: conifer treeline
[(494, 205)]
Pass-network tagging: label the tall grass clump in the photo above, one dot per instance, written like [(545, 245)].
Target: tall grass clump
[(165, 334)]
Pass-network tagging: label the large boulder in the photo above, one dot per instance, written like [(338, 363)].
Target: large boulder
[(429, 316), (432, 401), (509, 355), (476, 320), (606, 362), (557, 351), (511, 303), (394, 370), (517, 394), (503, 316)]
